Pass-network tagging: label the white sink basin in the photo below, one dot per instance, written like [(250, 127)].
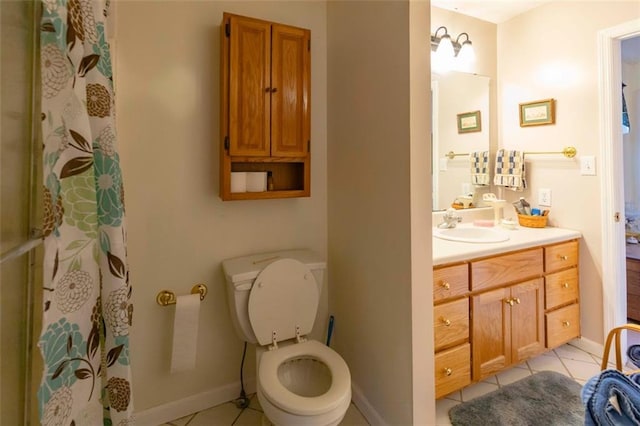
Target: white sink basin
[(471, 235)]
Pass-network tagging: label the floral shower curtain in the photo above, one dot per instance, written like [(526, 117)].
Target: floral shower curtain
[(87, 314)]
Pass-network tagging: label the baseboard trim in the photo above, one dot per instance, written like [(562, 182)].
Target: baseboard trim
[(183, 407), (588, 346), (367, 410)]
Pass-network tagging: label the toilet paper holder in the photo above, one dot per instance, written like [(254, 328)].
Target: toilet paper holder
[(166, 297)]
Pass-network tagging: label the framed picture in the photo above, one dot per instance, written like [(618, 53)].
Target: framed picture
[(538, 113), (469, 122)]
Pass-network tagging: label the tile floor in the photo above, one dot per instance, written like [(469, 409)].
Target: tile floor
[(566, 359)]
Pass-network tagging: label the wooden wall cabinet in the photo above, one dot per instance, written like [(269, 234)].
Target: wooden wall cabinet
[(494, 312), (265, 106)]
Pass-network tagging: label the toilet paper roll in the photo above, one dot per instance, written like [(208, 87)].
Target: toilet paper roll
[(185, 333), (256, 181), (238, 182)]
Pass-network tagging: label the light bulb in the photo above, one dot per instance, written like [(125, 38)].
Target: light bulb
[(466, 57), (444, 55)]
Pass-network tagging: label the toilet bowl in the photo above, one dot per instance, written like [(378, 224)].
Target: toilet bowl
[(303, 384), (273, 299)]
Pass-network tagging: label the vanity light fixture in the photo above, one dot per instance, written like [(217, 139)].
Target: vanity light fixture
[(446, 51)]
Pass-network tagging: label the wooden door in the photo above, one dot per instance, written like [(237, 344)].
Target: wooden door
[(491, 332), (527, 320), (249, 86), (290, 91)]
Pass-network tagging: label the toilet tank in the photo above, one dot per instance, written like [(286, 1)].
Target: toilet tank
[(241, 272)]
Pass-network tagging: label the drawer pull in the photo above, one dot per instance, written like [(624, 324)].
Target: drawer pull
[(448, 371), (565, 285), (445, 285), (564, 257), (566, 323), (445, 321), (509, 301)]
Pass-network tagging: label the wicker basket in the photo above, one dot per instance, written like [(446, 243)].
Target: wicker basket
[(532, 221)]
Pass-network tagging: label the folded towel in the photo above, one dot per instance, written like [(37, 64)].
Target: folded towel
[(480, 168), (634, 354), (612, 398), (510, 170)]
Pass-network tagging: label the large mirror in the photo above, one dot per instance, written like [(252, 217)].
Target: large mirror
[(460, 126)]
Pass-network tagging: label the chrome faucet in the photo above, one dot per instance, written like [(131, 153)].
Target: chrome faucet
[(450, 219)]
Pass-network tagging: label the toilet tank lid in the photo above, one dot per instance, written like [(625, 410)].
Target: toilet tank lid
[(245, 268)]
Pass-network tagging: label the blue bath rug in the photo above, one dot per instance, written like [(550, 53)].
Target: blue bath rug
[(634, 354)]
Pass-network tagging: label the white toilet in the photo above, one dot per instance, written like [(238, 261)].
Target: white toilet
[(273, 298)]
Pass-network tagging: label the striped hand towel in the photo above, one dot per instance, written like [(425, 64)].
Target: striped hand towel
[(510, 171), (480, 168)]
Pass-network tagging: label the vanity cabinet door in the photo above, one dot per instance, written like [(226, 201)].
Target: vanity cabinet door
[(527, 320), (508, 326), (491, 332)]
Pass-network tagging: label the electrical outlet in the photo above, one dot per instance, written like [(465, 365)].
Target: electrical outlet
[(544, 197)]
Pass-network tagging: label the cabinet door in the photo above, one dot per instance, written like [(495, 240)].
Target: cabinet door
[(249, 87), (491, 332), (290, 91), (527, 320)]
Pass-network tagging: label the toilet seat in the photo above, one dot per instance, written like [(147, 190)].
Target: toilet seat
[(281, 397), (283, 302)]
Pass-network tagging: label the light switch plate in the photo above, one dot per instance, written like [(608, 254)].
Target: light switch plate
[(588, 165)]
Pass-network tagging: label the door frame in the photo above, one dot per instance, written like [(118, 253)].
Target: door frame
[(614, 295)]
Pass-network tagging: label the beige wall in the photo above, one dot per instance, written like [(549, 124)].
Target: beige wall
[(541, 56), (16, 157), (371, 139), (178, 228)]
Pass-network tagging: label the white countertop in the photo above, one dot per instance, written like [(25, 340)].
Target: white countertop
[(445, 251)]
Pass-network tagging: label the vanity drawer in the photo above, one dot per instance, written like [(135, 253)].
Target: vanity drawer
[(451, 323), (560, 256), (562, 325), (508, 268), (561, 288), (450, 281), (452, 369)]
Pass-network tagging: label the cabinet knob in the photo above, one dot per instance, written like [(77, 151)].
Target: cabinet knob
[(564, 257), (267, 89), (445, 285), (445, 321), (566, 323), (517, 300), (274, 90), (448, 371), (565, 285), (509, 301)]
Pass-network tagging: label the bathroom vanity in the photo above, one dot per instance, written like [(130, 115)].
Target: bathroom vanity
[(498, 304)]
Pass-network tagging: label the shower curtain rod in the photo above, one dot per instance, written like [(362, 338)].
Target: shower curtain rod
[(21, 249)]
